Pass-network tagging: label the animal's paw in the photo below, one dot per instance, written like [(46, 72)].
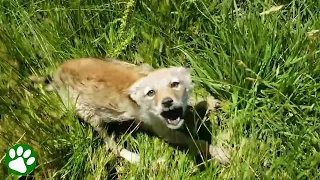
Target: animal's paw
[(21, 160), (161, 160), (213, 104), (130, 156), (219, 153), (158, 163)]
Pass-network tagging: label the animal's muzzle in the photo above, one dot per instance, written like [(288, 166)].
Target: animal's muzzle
[(167, 102)]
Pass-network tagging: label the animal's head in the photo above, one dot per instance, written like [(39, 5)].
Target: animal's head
[(164, 94)]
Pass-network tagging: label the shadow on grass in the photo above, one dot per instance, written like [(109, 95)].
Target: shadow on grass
[(195, 127)]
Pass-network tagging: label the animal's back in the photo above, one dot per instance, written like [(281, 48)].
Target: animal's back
[(107, 73), (98, 85)]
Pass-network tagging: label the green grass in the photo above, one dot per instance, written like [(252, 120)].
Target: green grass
[(265, 68)]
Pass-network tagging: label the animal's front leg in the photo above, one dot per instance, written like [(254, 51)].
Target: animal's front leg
[(110, 142), (195, 146), (209, 103)]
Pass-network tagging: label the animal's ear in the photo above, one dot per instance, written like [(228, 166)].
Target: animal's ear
[(145, 73), (132, 91), (189, 70), (145, 69), (185, 70)]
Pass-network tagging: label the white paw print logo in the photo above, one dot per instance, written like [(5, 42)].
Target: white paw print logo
[(20, 159)]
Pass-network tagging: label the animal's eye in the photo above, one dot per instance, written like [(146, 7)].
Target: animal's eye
[(175, 84), (151, 93)]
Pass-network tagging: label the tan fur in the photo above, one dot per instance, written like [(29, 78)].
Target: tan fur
[(101, 82), (112, 90), (167, 92)]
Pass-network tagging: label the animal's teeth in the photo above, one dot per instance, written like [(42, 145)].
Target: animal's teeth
[(178, 119)]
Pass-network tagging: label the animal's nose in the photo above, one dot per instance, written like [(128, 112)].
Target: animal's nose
[(167, 102)]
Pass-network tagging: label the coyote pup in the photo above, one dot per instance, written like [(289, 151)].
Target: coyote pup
[(105, 91)]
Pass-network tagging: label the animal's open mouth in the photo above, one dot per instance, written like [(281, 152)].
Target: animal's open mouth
[(173, 116)]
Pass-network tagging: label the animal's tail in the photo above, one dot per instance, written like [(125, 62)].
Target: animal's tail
[(45, 80)]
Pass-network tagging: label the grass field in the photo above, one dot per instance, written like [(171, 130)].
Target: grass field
[(264, 67)]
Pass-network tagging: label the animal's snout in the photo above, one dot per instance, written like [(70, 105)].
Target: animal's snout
[(167, 102)]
